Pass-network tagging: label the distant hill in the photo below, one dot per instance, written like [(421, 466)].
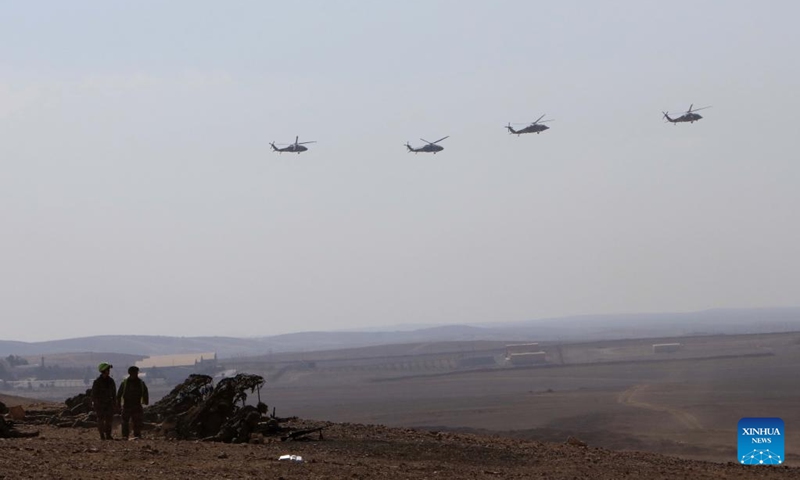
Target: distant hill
[(335, 340), (706, 322), (574, 328), (135, 345)]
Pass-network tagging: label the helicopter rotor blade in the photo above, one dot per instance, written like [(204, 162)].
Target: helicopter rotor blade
[(701, 108), (537, 120), (690, 108), (296, 139), (303, 143), (437, 141), (425, 140)]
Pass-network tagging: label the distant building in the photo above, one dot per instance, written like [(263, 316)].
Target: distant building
[(521, 348), (179, 360), (666, 347), (527, 358), (175, 368)]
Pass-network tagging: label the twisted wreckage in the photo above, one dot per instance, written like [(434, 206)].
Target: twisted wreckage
[(198, 410)]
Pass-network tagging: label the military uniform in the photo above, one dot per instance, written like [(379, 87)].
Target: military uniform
[(104, 403), (132, 395)]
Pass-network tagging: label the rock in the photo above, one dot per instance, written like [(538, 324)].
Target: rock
[(575, 442)]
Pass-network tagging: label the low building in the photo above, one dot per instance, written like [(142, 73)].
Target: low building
[(527, 358), (178, 360), (666, 347), (521, 348)]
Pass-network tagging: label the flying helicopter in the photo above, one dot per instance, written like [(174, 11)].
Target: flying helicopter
[(689, 116), (431, 147), (296, 147), (536, 127)]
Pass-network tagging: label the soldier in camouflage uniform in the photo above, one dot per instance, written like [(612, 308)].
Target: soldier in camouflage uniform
[(132, 395), (104, 401)]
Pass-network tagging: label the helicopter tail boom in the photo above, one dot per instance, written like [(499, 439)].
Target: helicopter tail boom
[(666, 115)]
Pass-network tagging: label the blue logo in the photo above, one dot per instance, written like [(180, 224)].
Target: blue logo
[(761, 441)]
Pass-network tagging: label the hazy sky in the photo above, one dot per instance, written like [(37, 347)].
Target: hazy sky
[(139, 195)]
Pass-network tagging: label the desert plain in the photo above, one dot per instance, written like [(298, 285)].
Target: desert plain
[(455, 410)]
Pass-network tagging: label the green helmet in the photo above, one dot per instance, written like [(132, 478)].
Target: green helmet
[(104, 366)]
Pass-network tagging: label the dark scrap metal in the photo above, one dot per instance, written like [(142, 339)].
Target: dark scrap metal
[(8, 430), (81, 403), (301, 434), (190, 393), (207, 418), (198, 410)]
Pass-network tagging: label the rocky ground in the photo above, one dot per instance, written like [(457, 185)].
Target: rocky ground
[(345, 451)]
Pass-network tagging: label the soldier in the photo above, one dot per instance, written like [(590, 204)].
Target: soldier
[(132, 395), (104, 401)]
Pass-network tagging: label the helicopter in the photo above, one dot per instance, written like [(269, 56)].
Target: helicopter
[(296, 147), (431, 147), (689, 116), (536, 127)]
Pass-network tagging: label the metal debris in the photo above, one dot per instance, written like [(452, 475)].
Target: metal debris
[(198, 410)]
